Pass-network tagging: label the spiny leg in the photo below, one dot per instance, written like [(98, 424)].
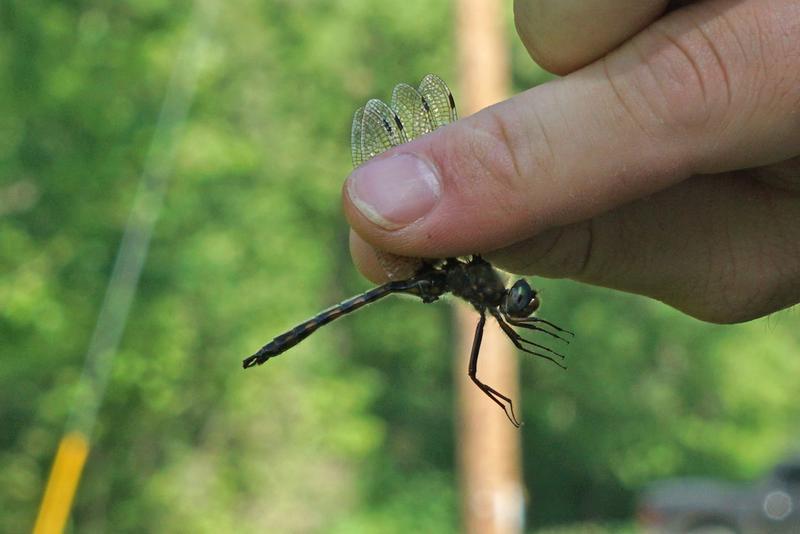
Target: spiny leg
[(548, 323), (518, 340), (529, 324), (489, 391), (504, 323)]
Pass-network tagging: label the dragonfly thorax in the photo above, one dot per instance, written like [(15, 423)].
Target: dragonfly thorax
[(476, 281)]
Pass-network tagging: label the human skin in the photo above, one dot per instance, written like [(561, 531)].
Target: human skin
[(665, 162)]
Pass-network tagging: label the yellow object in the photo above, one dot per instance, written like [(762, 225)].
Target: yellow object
[(63, 483)]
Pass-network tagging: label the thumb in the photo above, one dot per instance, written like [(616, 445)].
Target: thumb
[(553, 155), (665, 105)]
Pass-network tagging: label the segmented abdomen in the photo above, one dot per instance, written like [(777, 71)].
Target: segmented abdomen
[(297, 334)]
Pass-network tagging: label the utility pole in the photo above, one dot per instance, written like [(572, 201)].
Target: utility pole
[(493, 497)]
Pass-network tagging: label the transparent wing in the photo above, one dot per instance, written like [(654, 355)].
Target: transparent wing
[(381, 129), (392, 124), (439, 99), (355, 137), (378, 127), (412, 110)]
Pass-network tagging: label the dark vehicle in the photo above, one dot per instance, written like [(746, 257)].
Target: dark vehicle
[(698, 505)]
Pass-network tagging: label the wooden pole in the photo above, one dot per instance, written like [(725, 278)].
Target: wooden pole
[(489, 452)]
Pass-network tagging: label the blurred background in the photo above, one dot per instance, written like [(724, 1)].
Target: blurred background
[(241, 113)]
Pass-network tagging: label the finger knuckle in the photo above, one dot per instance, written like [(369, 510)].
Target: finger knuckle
[(777, 36), (486, 157), (710, 69), (683, 82)]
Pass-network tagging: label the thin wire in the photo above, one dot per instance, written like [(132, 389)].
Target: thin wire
[(147, 204)]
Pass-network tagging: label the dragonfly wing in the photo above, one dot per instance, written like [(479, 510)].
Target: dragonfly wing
[(439, 99), (377, 127), (381, 129), (412, 109), (391, 121), (356, 149)]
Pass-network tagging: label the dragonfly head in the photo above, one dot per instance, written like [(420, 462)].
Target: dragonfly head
[(521, 300)]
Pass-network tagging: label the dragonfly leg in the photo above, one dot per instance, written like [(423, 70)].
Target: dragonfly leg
[(518, 341), (531, 321), (497, 397), (530, 324)]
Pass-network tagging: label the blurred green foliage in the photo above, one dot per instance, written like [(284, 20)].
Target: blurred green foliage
[(351, 431)]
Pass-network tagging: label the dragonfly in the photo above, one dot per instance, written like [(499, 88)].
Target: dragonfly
[(377, 127)]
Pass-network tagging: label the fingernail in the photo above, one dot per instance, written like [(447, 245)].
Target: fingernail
[(395, 191)]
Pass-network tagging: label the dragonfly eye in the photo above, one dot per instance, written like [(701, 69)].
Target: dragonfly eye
[(521, 299)]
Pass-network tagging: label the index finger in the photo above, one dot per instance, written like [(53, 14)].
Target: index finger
[(564, 35)]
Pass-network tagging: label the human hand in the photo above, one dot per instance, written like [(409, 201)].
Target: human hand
[(666, 162)]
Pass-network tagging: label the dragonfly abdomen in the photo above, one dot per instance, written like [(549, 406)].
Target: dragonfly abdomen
[(289, 339)]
